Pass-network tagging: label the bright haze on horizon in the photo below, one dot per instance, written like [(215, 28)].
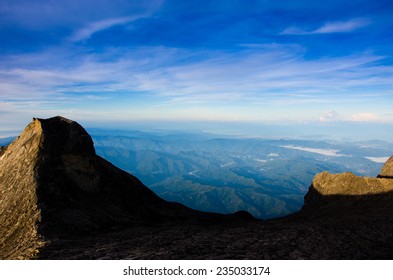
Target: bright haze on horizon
[(314, 65)]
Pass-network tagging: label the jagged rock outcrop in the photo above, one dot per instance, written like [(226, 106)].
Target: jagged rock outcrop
[(347, 196), (387, 169)]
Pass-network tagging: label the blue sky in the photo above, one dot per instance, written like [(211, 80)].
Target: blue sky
[(269, 62)]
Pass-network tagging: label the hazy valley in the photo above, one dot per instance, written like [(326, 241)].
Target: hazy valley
[(224, 174)]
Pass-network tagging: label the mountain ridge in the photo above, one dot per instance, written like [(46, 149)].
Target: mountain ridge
[(60, 200), (226, 175)]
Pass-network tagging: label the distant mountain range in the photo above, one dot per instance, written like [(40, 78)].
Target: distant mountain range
[(60, 200), (223, 174)]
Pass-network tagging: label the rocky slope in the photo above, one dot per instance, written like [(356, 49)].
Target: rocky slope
[(59, 200), (19, 210)]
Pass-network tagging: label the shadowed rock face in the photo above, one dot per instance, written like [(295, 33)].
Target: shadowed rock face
[(59, 200), (78, 190)]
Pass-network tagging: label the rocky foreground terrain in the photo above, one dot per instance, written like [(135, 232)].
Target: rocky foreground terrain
[(59, 200)]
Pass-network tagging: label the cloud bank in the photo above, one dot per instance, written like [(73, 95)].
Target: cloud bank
[(330, 27)]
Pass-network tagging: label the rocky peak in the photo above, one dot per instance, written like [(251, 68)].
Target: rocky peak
[(52, 183), (349, 184), (347, 196), (61, 135), (55, 136)]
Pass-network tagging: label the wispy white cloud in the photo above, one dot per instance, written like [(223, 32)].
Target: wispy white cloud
[(378, 159), (41, 14), (97, 26), (251, 75), (330, 27), (343, 26), (364, 117), (325, 152), (277, 76), (267, 76), (328, 116)]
